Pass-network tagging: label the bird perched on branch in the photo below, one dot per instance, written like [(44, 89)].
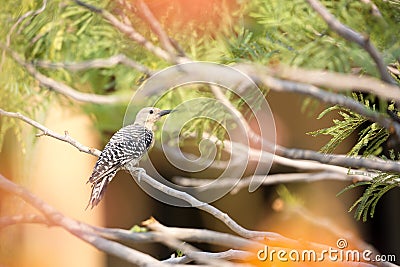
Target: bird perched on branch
[(127, 146)]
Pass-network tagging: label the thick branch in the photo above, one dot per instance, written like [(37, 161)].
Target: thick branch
[(272, 179), (78, 229), (311, 160), (184, 234), (260, 74), (339, 160), (96, 63), (187, 249), (353, 36), (273, 239), (338, 82), (231, 254)]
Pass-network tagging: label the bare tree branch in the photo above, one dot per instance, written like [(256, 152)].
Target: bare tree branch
[(90, 235), (271, 238), (259, 74), (62, 88), (133, 34), (310, 160), (375, 9), (95, 63), (339, 160), (336, 81), (184, 234), (187, 249), (195, 235), (78, 229), (45, 131), (231, 254), (18, 219), (272, 179), (155, 26), (353, 36)]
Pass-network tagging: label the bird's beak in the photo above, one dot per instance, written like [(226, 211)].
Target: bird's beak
[(165, 112)]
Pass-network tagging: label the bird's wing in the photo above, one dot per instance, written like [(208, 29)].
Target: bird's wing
[(110, 160), (117, 154)]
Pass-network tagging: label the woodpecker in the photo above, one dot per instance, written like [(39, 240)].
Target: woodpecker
[(126, 146)]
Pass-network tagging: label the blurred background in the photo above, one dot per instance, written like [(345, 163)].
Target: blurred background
[(228, 31)]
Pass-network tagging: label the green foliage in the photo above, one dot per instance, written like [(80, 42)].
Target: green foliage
[(179, 253), (138, 229), (341, 129), (197, 118), (17, 88), (63, 32), (376, 188), (245, 47), (370, 137), (292, 33), (290, 199)]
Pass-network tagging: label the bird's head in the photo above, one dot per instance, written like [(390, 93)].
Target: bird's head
[(148, 116)]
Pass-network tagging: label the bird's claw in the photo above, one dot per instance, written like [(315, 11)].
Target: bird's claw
[(139, 172)]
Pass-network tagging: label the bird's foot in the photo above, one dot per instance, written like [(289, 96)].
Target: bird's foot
[(138, 172)]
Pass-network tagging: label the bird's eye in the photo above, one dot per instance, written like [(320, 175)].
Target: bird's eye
[(151, 111)]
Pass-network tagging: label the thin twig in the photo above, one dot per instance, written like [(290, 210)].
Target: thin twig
[(62, 88), (132, 33), (338, 82), (353, 36), (375, 10), (311, 160), (19, 20), (46, 131), (156, 27)]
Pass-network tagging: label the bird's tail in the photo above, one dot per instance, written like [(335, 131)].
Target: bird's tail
[(98, 190)]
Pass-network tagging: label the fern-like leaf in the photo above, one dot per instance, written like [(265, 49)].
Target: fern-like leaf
[(365, 206)]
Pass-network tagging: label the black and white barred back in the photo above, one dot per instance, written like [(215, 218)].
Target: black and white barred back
[(128, 145)]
